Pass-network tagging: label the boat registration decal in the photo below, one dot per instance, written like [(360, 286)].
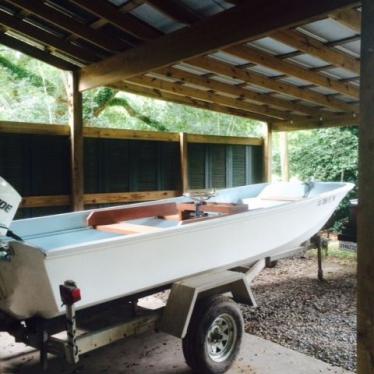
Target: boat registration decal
[(326, 200)]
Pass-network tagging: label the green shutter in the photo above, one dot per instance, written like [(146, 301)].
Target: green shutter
[(238, 165), (196, 165), (217, 166)]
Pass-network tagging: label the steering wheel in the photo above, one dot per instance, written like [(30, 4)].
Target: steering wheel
[(199, 198)]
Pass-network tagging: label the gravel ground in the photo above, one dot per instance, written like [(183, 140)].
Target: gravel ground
[(301, 313)]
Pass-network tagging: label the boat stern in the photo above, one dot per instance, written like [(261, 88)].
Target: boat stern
[(25, 290)]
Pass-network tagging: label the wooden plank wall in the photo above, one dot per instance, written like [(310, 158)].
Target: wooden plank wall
[(120, 166)]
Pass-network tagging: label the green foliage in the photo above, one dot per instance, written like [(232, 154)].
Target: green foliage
[(32, 91), (326, 155)]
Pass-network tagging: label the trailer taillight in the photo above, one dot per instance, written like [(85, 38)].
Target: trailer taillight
[(70, 293)]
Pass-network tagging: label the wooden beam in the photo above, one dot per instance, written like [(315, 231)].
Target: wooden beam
[(338, 121), (231, 140), (8, 127), (127, 197), (314, 47), (240, 92), (105, 133), (52, 16), (45, 201), (184, 100), (365, 272), (76, 143), (350, 18), (212, 97), (248, 21), (125, 22), (44, 37), (261, 80), (34, 52), (289, 68), (96, 198), (175, 10), (268, 153), (183, 147)]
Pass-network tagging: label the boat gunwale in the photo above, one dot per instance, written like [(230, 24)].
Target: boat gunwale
[(96, 245)]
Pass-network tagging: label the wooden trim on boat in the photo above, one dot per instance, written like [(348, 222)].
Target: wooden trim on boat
[(116, 215), (224, 208), (127, 228)]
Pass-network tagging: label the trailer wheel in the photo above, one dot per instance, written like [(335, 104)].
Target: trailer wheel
[(214, 335)]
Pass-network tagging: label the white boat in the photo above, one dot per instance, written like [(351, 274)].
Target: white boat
[(114, 252)]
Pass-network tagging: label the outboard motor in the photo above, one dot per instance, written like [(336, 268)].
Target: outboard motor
[(9, 202)]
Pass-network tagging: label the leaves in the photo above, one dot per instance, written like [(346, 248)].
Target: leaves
[(31, 91)]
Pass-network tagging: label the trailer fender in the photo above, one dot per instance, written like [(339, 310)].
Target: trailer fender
[(184, 294)]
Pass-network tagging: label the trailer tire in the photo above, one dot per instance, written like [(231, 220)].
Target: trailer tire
[(214, 335)]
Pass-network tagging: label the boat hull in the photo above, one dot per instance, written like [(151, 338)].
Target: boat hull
[(121, 266)]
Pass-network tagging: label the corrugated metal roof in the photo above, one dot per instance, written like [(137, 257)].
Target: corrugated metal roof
[(156, 17)]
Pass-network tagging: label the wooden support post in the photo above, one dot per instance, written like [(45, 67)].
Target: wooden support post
[(76, 142), (268, 153), (365, 276), (184, 162), (283, 145)]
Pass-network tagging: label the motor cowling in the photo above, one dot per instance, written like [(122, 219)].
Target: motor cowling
[(9, 202)]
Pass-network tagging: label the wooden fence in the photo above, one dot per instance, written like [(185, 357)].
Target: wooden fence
[(120, 166)]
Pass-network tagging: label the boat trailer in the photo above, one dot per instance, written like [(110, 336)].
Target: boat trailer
[(200, 308), (209, 299)]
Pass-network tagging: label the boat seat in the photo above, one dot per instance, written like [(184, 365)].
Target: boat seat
[(116, 215), (127, 228), (284, 191), (258, 203)]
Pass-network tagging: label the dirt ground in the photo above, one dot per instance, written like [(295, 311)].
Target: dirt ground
[(300, 312)]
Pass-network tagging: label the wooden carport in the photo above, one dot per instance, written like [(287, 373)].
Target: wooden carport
[(292, 64)]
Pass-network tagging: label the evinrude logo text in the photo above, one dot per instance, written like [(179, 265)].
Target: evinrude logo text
[(5, 206)]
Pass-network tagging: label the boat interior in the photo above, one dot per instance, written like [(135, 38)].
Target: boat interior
[(72, 229)]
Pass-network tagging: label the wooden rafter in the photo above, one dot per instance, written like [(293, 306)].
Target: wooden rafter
[(125, 22), (309, 45), (234, 90), (212, 97), (333, 121), (35, 52), (219, 31), (314, 47), (266, 59), (247, 76), (184, 100), (41, 36), (181, 14), (350, 18), (68, 24)]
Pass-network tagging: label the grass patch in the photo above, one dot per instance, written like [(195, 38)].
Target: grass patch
[(335, 252)]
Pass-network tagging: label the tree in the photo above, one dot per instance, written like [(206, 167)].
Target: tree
[(325, 155), (32, 91)]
